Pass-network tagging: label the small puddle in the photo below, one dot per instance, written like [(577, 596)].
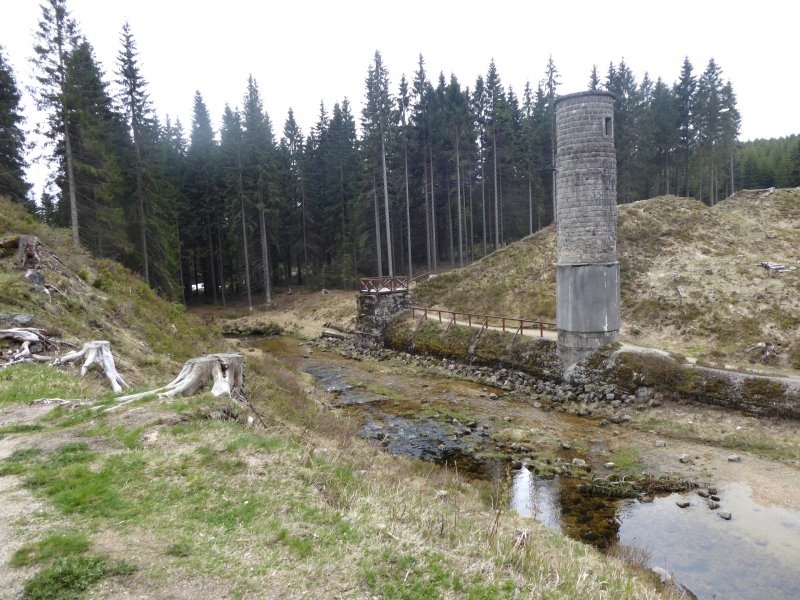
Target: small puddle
[(754, 556)]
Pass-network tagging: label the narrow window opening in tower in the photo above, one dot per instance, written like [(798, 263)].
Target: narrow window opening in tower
[(609, 127)]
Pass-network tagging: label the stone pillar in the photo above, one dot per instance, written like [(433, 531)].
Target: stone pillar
[(374, 311), (587, 276)]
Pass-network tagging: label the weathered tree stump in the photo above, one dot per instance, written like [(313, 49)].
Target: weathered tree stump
[(28, 252), (32, 342), (226, 371), (97, 354)]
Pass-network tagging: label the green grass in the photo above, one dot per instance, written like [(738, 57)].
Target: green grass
[(20, 428), (26, 382), (53, 546), (627, 460), (68, 577), (428, 575)]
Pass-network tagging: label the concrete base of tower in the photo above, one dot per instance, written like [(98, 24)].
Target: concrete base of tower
[(587, 309), (573, 346)]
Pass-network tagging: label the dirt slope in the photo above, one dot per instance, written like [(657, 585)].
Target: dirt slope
[(691, 277)]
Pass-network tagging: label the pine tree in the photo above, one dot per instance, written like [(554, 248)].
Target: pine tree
[(56, 37), (377, 123), (495, 105), (12, 138), (99, 145), (292, 145), (622, 83), (135, 102), (231, 142), (665, 136), (594, 79), (258, 170), (403, 104), (684, 92), (203, 199)]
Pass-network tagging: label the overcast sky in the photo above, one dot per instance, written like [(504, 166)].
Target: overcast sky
[(302, 52)]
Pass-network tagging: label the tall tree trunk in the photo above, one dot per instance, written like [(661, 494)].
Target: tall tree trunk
[(433, 222), (211, 263), (377, 226), (244, 240), (73, 200), (733, 188), (140, 197), (496, 193), (265, 254), (196, 282), (471, 213), (458, 196), (221, 270), (450, 236), (408, 199), (530, 206), (386, 208), (180, 260), (483, 204), (305, 235), (427, 217)]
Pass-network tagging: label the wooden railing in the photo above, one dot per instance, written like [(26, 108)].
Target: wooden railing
[(383, 284), (518, 326)]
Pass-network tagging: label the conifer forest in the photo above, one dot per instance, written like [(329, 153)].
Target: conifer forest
[(432, 171)]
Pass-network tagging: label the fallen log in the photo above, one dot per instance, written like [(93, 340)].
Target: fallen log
[(225, 370), (97, 354), (334, 335)]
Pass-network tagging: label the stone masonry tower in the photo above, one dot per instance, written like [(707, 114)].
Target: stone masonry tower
[(587, 276)]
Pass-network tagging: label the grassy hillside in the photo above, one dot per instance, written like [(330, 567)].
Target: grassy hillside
[(691, 277), (101, 300)]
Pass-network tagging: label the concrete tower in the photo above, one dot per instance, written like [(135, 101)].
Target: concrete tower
[(587, 277)]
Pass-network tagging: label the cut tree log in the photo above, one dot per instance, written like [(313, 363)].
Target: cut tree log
[(226, 370), (97, 353)]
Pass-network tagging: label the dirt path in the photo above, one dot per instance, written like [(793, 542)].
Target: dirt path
[(16, 503)]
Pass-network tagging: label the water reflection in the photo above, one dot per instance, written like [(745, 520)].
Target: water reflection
[(755, 555)]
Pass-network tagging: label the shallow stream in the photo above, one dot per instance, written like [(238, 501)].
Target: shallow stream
[(754, 555)]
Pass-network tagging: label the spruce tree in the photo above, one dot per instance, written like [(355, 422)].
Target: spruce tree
[(258, 171), (56, 37), (135, 102), (377, 123), (203, 198), (684, 92), (12, 138), (99, 144)]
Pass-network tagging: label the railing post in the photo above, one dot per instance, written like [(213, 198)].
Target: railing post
[(504, 324), (541, 329), (469, 319)]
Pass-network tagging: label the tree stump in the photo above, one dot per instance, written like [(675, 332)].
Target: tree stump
[(226, 371), (28, 252), (97, 354)]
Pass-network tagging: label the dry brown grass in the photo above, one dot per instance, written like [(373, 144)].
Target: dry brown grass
[(691, 278)]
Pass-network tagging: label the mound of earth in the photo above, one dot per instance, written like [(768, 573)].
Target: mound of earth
[(692, 278)]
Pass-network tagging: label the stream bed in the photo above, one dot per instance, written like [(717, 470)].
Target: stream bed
[(423, 416)]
